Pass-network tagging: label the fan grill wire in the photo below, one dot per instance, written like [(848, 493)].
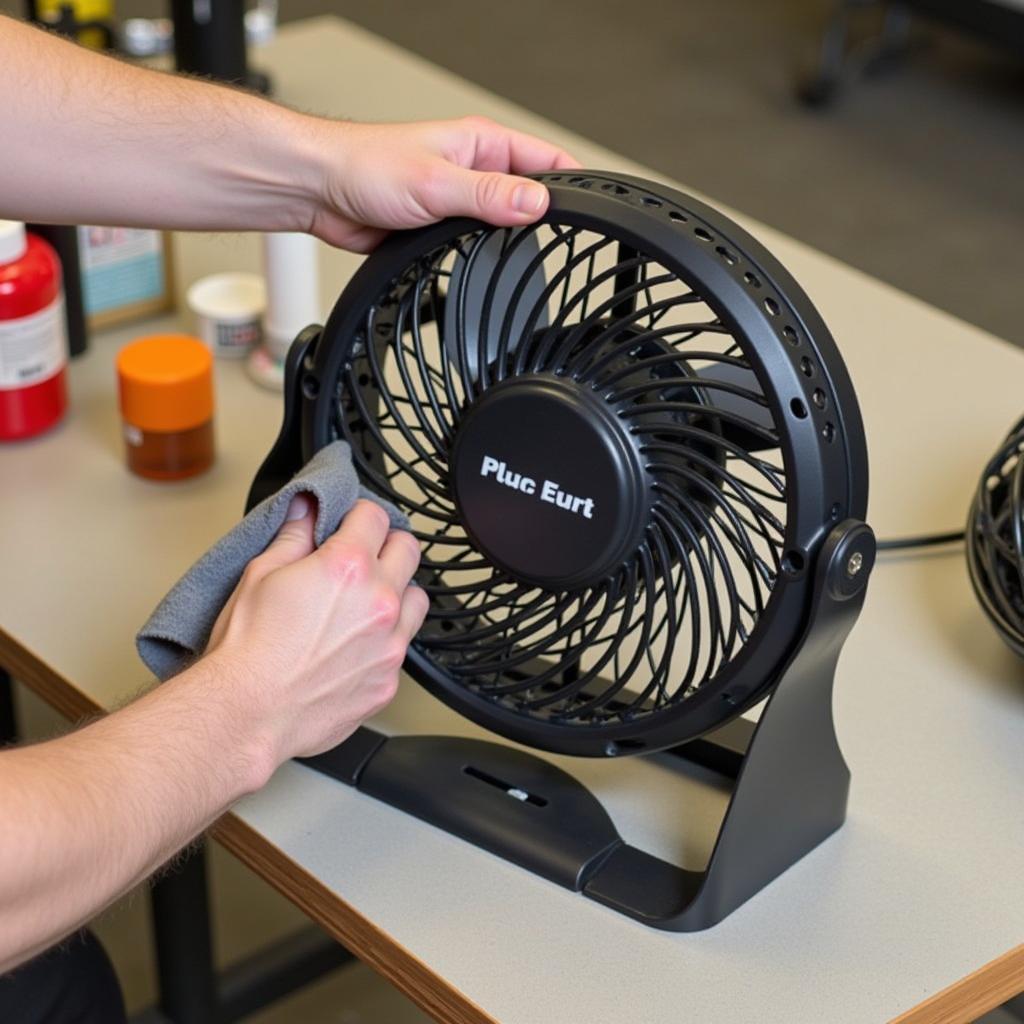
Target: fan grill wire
[(995, 537), (497, 303)]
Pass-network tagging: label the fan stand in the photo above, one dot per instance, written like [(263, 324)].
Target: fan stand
[(790, 782)]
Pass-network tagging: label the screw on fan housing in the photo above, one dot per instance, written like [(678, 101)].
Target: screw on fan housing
[(620, 435)]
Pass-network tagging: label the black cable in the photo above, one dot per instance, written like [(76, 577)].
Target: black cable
[(924, 540)]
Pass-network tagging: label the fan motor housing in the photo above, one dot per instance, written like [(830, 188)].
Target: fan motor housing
[(549, 482)]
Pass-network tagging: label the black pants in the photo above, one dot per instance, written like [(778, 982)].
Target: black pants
[(73, 983)]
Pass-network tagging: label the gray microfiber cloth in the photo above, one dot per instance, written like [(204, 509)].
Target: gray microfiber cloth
[(178, 631)]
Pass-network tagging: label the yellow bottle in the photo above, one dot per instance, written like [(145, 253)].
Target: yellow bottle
[(85, 12)]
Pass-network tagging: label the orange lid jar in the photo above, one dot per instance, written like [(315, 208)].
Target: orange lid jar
[(165, 388)]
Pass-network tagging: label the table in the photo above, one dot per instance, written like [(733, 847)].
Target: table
[(912, 912)]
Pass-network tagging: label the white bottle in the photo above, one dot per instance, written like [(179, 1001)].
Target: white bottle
[(291, 269)]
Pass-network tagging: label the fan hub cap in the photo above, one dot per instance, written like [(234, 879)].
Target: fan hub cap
[(549, 482)]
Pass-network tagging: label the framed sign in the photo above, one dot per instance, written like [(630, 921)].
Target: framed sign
[(126, 273)]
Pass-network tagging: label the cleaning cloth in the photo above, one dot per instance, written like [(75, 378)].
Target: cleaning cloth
[(178, 631)]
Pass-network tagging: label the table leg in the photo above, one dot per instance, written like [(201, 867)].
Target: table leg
[(184, 945), (8, 722)]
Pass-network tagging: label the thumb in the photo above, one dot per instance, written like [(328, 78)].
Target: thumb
[(295, 538), (504, 200)]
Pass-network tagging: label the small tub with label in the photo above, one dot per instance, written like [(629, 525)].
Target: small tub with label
[(229, 312), (165, 387)]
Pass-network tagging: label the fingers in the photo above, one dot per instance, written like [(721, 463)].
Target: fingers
[(499, 148), (479, 175), (415, 605), (365, 529), (293, 541), (500, 199), (399, 559)]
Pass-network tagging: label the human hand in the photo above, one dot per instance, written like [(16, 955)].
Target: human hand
[(379, 177), (313, 639)]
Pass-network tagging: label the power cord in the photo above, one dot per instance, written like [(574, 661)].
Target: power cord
[(924, 540)]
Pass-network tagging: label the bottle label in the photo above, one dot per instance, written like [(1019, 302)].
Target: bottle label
[(33, 348)]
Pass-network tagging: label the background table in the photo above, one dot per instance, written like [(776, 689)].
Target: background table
[(920, 890)]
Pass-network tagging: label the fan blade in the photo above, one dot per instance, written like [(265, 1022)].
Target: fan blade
[(496, 269), (737, 404)]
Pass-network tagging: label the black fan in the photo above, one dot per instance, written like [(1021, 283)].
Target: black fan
[(995, 540), (635, 463)]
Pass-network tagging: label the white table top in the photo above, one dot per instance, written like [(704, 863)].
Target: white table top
[(921, 886)]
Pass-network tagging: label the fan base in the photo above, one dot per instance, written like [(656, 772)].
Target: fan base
[(790, 783)]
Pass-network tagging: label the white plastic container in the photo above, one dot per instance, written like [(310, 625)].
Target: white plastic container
[(229, 312), (291, 267)]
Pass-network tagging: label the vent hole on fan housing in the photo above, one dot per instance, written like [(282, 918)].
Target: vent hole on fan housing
[(790, 335), (310, 387), (798, 409), (679, 218), (771, 307), (617, 190), (819, 398), (829, 432), (651, 201), (726, 255), (806, 367), (752, 279), (703, 235)]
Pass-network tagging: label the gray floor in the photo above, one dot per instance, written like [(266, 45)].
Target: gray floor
[(914, 177)]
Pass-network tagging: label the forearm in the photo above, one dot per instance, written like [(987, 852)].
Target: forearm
[(87, 816), (88, 139)]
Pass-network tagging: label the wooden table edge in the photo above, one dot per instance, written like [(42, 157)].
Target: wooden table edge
[(377, 949), (962, 1002), (966, 1000)]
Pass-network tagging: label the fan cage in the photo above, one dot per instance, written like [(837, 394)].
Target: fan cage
[(995, 539), (666, 622)]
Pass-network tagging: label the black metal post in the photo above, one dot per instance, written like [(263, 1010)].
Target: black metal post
[(184, 944), (209, 38), (64, 239), (8, 721)]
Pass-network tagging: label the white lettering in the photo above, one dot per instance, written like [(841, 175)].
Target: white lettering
[(549, 491)]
